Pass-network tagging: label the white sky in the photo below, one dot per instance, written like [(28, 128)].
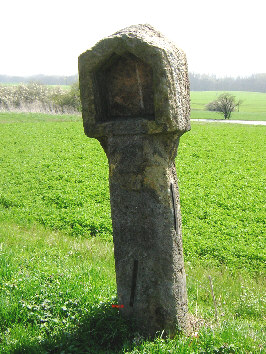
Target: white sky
[(221, 37)]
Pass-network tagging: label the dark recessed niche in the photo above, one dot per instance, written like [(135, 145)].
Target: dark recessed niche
[(123, 89)]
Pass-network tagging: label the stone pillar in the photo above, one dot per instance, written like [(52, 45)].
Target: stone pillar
[(135, 101)]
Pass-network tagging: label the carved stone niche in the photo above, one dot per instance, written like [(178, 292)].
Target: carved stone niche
[(134, 82), (124, 89)]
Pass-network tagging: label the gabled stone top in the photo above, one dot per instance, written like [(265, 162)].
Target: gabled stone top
[(134, 82)]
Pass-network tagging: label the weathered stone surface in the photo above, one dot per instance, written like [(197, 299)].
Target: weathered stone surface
[(147, 231), (170, 84), (135, 101)]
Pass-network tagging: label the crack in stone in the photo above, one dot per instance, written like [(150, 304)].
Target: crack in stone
[(140, 88), (134, 283)]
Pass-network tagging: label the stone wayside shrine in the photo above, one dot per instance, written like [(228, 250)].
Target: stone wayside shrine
[(135, 101)]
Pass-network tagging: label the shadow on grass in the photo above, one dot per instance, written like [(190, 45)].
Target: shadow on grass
[(103, 330)]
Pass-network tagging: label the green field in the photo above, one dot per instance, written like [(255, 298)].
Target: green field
[(252, 108), (57, 277)]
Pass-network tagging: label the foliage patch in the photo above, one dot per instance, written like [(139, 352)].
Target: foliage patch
[(54, 175), (34, 97), (57, 278)]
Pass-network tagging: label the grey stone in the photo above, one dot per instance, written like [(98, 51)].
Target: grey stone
[(135, 101)]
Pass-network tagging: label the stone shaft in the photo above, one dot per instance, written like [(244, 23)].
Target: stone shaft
[(146, 220), (135, 100)]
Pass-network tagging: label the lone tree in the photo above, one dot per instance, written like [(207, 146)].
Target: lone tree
[(225, 104)]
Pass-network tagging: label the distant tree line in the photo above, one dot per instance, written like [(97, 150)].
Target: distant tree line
[(253, 83), (198, 82)]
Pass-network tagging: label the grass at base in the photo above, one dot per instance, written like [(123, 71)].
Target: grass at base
[(49, 282), (57, 294), (57, 279)]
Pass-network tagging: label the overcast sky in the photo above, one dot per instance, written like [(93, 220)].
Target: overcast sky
[(221, 37)]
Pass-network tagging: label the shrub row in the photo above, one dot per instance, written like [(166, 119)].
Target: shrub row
[(35, 97)]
